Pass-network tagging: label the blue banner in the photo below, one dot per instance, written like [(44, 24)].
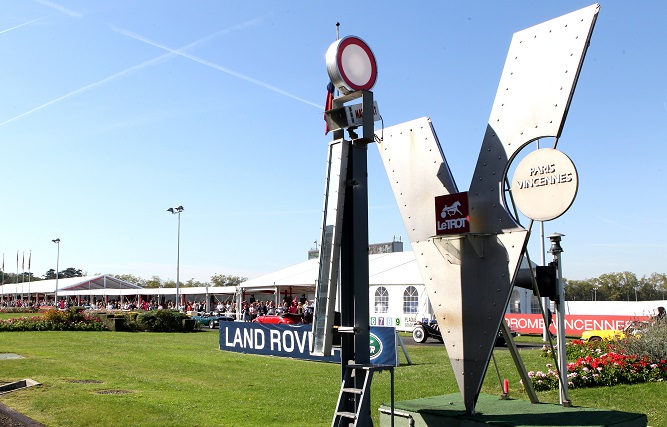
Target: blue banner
[(294, 341)]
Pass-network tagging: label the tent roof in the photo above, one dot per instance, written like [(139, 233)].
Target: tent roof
[(69, 284), (396, 268)]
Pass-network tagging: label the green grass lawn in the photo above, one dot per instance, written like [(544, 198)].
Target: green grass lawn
[(164, 379), (5, 316)]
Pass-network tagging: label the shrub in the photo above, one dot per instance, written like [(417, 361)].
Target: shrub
[(162, 321), (649, 342)]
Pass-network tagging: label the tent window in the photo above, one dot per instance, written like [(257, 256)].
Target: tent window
[(410, 300), (381, 300), (515, 302), (535, 305)]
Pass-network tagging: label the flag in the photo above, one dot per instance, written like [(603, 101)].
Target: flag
[(29, 261), (23, 262), (328, 105)]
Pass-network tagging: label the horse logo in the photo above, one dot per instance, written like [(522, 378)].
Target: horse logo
[(451, 210)]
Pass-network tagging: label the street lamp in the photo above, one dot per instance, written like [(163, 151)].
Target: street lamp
[(178, 211), (55, 297)]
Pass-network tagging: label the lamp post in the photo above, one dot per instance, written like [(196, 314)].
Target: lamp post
[(55, 297), (178, 211)]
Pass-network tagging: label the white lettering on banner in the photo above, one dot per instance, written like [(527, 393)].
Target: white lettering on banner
[(288, 347), (275, 340), (574, 324), (237, 338), (300, 343), (525, 323), (451, 224), (259, 337), (247, 338), (287, 341)]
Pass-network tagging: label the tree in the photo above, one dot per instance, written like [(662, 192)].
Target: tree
[(655, 286), (130, 278), (71, 272), (227, 280), (579, 290), (68, 272), (154, 282), (617, 286)]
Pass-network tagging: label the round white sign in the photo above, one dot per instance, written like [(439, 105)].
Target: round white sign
[(351, 65), (545, 184)]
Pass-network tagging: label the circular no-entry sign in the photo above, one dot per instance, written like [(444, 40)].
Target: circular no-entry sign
[(351, 65)]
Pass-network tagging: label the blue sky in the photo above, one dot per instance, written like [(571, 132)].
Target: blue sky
[(114, 111)]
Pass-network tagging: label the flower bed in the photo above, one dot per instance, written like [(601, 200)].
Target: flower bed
[(600, 364), (53, 320)]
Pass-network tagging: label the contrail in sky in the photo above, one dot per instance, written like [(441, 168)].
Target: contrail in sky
[(60, 8), (110, 78), (216, 66), (21, 25)]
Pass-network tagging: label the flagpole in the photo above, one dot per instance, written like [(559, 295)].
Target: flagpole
[(16, 279), (29, 275), (2, 285), (22, 276)]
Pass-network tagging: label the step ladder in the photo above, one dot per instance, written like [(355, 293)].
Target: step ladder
[(354, 401)]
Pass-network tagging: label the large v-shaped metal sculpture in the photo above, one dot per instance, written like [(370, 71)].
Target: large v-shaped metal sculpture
[(469, 276)]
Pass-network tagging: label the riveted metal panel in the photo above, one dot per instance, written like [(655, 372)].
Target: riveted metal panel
[(417, 172), (533, 97), (332, 219)]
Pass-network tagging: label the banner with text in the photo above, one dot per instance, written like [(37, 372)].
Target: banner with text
[(294, 341), (575, 324)]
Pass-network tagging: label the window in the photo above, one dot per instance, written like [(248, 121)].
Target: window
[(410, 300), (381, 300), (535, 305), (515, 302)]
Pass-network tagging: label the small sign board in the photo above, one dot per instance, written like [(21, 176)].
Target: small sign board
[(545, 184), (349, 116), (451, 214)]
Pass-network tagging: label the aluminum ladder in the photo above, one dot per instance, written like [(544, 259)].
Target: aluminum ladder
[(354, 401)]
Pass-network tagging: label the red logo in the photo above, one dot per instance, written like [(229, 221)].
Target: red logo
[(451, 214)]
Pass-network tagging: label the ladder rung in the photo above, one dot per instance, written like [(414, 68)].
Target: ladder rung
[(347, 330), (353, 390), (345, 414)]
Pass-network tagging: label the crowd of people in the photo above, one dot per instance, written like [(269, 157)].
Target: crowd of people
[(252, 309), (249, 309)]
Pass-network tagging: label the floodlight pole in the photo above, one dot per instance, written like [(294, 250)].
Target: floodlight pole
[(55, 295), (177, 211)]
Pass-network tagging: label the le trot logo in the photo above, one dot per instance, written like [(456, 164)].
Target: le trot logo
[(451, 214)]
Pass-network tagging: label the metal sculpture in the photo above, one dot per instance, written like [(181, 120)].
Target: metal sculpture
[(468, 260)]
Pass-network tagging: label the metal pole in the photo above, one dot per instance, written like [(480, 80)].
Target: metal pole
[(178, 211), (556, 250), (178, 261), (55, 295)]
